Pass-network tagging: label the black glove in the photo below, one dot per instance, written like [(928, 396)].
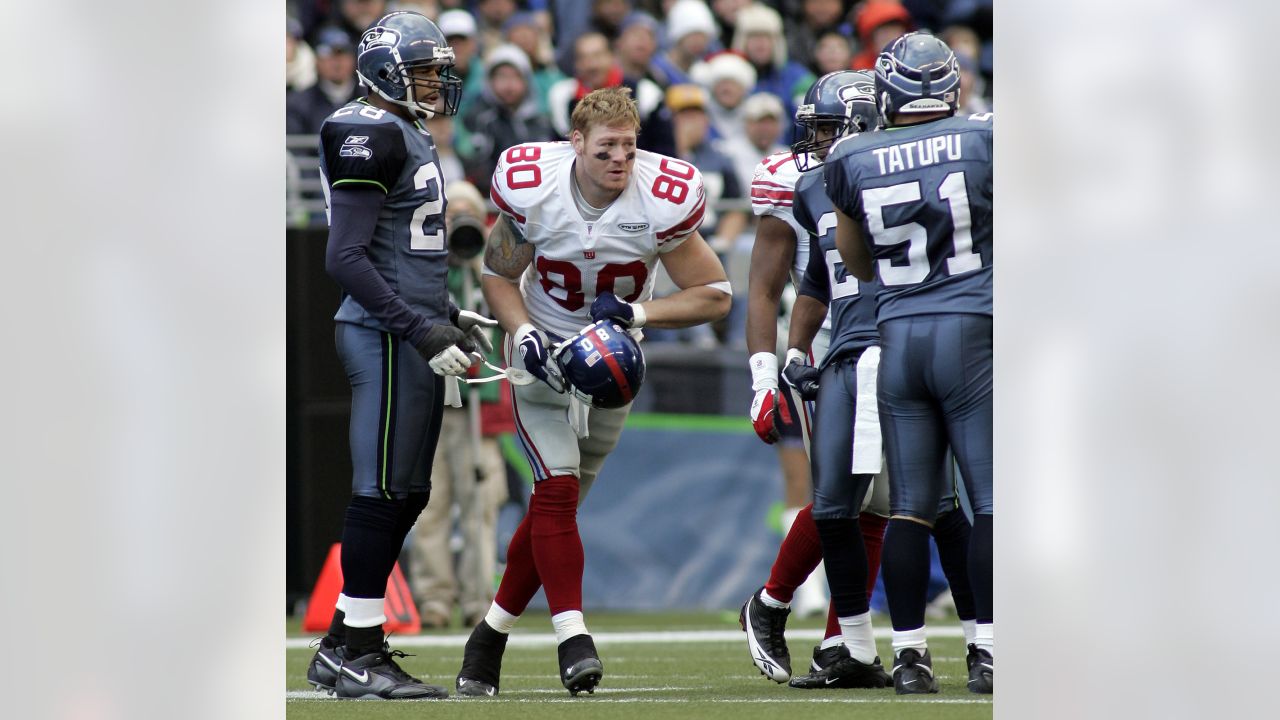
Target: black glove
[(801, 377), (440, 337)]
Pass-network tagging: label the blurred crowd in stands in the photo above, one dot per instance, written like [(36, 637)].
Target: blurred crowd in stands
[(717, 81)]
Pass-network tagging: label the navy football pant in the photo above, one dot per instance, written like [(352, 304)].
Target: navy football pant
[(935, 390), (837, 493), (396, 407)]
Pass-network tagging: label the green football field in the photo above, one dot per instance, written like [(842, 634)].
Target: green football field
[(698, 668)]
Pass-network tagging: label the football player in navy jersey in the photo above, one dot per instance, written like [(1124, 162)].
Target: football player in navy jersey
[(913, 208), (397, 331)]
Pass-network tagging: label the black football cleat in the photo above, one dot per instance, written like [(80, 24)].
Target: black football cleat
[(766, 639), (913, 673), (481, 662), (323, 670), (580, 666), (376, 676), (981, 671), (822, 657), (844, 672)]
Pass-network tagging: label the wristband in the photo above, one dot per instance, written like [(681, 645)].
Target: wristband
[(638, 315), (796, 355), (764, 371)]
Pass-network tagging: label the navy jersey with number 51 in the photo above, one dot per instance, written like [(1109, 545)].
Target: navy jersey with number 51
[(923, 197)]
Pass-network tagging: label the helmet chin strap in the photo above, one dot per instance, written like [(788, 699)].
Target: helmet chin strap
[(410, 104)]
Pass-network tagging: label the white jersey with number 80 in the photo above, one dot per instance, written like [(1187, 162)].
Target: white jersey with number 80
[(574, 260)]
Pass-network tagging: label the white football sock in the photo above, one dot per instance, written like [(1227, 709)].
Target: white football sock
[(985, 637), (914, 639), (773, 602), (568, 624), (500, 619), (832, 641), (969, 631), (857, 635), (363, 612)]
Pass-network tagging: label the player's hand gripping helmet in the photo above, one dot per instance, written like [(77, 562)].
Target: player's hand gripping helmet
[(917, 73), (844, 100), (396, 45), (603, 365)]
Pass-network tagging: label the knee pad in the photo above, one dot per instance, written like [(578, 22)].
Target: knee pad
[(374, 513), (414, 505)]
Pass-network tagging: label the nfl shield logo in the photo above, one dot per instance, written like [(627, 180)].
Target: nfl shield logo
[(589, 254)]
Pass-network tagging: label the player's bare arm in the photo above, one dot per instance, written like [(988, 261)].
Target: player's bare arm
[(771, 259), (853, 251), (806, 319), (704, 293), (507, 255)]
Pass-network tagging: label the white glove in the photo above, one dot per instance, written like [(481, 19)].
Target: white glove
[(452, 361)]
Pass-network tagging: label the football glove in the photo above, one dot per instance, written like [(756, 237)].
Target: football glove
[(765, 404), (765, 408), (532, 344), (476, 326), (607, 306), (800, 375), (446, 349)]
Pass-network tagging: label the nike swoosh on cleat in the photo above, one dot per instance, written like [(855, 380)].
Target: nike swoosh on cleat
[(330, 663), (828, 681), (362, 678)]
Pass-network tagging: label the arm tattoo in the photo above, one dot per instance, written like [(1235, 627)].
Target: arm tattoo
[(507, 253)]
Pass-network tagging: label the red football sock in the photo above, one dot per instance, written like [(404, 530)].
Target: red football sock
[(872, 527), (557, 548), (833, 622), (520, 581), (800, 553)]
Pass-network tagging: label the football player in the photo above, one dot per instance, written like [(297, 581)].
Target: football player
[(582, 225), (782, 247), (397, 331), (913, 209)]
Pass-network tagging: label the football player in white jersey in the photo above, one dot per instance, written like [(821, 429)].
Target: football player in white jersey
[(583, 224)]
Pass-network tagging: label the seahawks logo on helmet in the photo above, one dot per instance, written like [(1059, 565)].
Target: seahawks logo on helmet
[(379, 37)]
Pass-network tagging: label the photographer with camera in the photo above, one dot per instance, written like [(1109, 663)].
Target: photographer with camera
[(468, 470)]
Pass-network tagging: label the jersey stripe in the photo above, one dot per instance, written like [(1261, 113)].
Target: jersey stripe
[(503, 206), (686, 225), (614, 368)]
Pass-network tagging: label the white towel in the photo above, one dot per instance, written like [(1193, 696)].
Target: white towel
[(867, 449), (578, 412), (452, 396)]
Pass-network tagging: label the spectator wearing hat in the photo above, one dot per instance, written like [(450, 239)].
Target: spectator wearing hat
[(878, 23), (636, 44), (459, 28), (595, 67), (817, 18), (759, 38), (525, 31), (300, 61), (505, 114), (691, 30), (335, 84), (729, 79), (764, 114)]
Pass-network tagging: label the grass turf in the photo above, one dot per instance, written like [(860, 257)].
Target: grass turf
[(645, 680)]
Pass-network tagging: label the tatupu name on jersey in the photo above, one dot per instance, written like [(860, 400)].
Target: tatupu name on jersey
[(918, 153)]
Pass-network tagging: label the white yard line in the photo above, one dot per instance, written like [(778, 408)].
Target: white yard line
[(640, 638)]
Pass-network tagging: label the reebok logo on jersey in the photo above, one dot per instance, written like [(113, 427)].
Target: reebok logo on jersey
[(358, 151), (356, 139), (633, 227)]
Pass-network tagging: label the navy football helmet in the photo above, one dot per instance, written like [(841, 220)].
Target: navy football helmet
[(603, 365), (845, 100), (917, 73), (393, 48)]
